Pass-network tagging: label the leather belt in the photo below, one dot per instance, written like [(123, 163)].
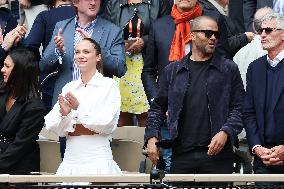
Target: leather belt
[(81, 130)]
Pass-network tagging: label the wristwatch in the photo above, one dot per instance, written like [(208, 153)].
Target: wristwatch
[(3, 47)]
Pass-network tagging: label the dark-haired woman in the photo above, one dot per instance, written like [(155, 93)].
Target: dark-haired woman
[(87, 113), (21, 114)]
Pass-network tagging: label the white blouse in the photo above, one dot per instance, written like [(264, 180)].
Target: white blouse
[(98, 110)]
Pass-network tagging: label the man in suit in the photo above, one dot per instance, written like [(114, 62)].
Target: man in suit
[(202, 127), (250, 7), (264, 101), (69, 32)]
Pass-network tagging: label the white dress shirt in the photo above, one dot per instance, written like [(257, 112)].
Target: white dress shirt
[(276, 60), (98, 110)]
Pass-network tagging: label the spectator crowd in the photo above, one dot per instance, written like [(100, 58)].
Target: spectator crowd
[(194, 73)]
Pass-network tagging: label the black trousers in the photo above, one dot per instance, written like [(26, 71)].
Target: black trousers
[(198, 162), (260, 168)]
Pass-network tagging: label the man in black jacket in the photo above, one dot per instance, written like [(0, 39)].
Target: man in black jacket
[(202, 94)]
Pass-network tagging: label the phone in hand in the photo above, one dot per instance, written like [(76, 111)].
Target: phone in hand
[(15, 8)]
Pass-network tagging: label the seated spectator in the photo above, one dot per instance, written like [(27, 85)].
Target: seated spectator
[(87, 111), (21, 114)]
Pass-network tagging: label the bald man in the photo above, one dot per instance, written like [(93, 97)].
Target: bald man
[(202, 127)]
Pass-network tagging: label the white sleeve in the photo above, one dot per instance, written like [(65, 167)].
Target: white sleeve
[(103, 117), (57, 123)]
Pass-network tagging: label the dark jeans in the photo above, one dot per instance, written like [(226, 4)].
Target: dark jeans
[(260, 168), (198, 162), (166, 152)]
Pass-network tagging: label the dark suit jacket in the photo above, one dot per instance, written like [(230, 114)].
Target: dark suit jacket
[(21, 124), (7, 21), (157, 53), (254, 103), (236, 14), (249, 9), (43, 26)]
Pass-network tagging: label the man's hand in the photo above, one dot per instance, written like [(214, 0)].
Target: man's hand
[(71, 100), (276, 156), (59, 41), (152, 150), (250, 36), (137, 46), (14, 36), (25, 4), (261, 151), (65, 107), (83, 33), (217, 143)]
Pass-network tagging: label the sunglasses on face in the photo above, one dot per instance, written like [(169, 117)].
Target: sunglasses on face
[(209, 33), (267, 30)]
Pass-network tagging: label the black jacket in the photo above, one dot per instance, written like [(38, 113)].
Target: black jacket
[(224, 92), (21, 125), (120, 13)]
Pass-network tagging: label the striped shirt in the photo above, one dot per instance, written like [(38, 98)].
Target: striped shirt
[(77, 38)]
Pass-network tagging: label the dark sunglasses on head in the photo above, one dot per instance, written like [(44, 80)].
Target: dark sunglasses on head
[(209, 33), (267, 30)]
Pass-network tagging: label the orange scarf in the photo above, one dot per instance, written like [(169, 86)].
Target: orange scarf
[(182, 33)]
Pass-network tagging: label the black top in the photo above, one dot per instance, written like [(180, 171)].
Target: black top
[(19, 129), (272, 80), (134, 29), (194, 126)]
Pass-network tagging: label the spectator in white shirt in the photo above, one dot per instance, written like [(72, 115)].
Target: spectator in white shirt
[(87, 112)]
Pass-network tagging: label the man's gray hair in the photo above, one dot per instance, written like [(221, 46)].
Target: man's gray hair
[(275, 16), (258, 16)]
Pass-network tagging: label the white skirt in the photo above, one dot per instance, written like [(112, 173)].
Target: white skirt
[(88, 155)]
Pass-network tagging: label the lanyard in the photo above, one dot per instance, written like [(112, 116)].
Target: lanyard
[(138, 27)]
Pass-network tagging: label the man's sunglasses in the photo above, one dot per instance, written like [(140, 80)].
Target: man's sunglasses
[(209, 33), (267, 30)]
